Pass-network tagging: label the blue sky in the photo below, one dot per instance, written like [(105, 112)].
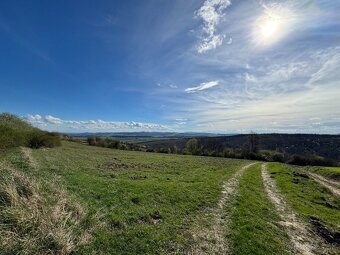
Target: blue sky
[(166, 65)]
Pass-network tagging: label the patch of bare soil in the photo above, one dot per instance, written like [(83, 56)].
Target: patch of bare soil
[(333, 186), (330, 236), (211, 239), (301, 236)]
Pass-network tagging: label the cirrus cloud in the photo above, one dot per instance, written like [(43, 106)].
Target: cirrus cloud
[(211, 12), (202, 86)]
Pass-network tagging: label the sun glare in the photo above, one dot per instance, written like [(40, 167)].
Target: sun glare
[(271, 26)]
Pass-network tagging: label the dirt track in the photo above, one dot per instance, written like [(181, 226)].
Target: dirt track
[(333, 186), (303, 239), (212, 240)]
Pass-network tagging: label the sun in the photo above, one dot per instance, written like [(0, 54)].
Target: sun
[(272, 25), (270, 28)]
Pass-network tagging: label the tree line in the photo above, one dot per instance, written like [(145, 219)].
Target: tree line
[(249, 150)]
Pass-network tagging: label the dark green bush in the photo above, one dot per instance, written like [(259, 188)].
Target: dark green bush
[(278, 157), (311, 160), (10, 137), (40, 139)]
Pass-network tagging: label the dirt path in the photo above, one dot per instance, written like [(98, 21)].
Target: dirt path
[(303, 239), (333, 186), (211, 240)]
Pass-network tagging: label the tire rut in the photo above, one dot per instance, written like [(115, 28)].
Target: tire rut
[(330, 185), (301, 236), (212, 240)]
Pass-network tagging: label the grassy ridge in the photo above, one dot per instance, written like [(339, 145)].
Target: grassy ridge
[(306, 196), (15, 132), (255, 228), (148, 200)]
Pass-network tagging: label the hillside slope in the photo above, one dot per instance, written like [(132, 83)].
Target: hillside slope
[(91, 200)]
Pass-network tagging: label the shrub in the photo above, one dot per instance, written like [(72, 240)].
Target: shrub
[(10, 137), (311, 160), (114, 144), (278, 157), (40, 139)]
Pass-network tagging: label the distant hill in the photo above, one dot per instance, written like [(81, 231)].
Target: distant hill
[(301, 144)]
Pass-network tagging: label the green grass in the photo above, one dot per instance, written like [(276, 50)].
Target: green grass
[(148, 200), (101, 201), (306, 196), (332, 173), (255, 228)]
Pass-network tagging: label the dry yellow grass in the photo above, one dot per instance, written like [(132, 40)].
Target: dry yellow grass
[(30, 224)]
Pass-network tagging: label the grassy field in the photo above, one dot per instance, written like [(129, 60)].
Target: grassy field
[(78, 199)]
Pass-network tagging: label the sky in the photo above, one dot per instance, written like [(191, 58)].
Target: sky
[(222, 66)]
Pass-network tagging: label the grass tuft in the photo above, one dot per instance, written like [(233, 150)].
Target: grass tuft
[(30, 224)]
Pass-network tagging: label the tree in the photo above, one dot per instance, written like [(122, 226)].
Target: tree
[(92, 140), (192, 146), (173, 149), (228, 152), (253, 143)]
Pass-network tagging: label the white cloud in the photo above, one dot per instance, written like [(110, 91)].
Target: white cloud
[(181, 119), (173, 86), (202, 86), (52, 120), (211, 12), (52, 123), (36, 117)]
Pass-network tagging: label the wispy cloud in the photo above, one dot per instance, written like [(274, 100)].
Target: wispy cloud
[(211, 12), (202, 86), (52, 123), (173, 86)]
